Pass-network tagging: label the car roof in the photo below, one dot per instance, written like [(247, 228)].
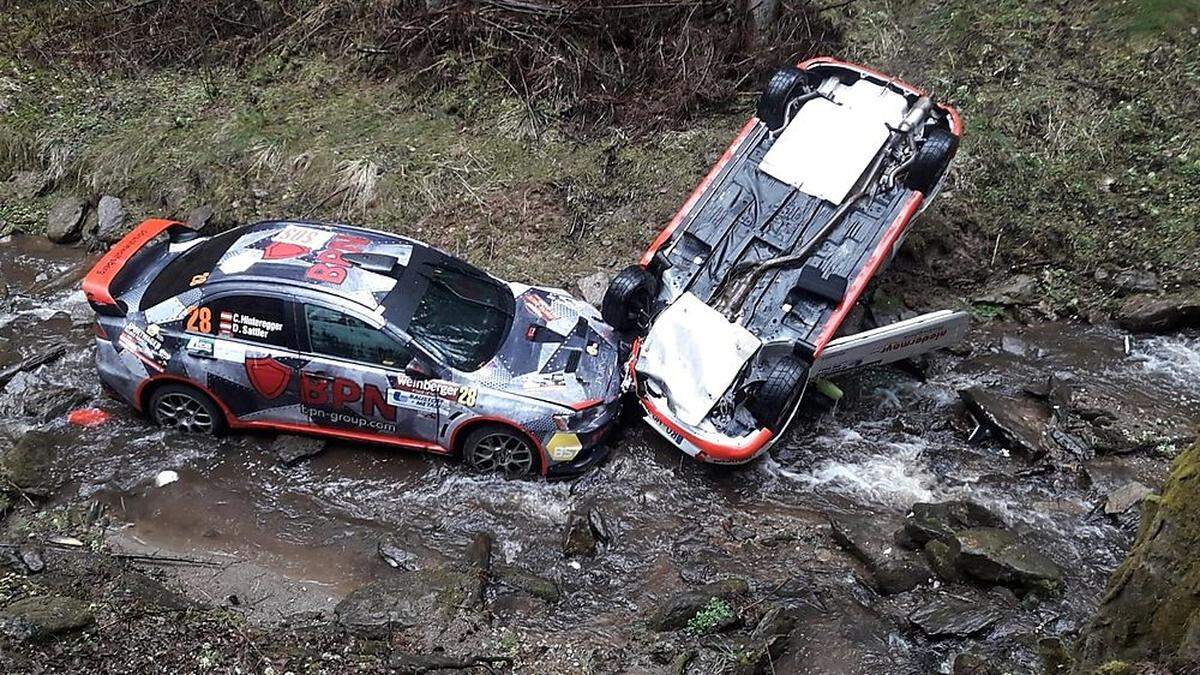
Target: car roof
[(324, 257)]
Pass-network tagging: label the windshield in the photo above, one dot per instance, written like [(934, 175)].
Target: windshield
[(463, 317)]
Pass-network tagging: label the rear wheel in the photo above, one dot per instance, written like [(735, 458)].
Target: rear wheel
[(626, 304), (779, 394), (498, 449), (931, 160), (781, 90), (186, 408)]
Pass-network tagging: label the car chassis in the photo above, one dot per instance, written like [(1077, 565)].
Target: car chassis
[(738, 304)]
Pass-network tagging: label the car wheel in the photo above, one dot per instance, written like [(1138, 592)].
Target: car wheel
[(780, 91), (178, 406), (779, 393), (931, 160), (626, 304), (498, 449)]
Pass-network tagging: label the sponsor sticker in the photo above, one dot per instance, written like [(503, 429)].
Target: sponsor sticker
[(144, 346), (462, 395), (308, 237), (200, 346), (538, 305), (236, 324)]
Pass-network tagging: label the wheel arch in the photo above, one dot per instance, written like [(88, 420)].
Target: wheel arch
[(145, 390), (460, 433)]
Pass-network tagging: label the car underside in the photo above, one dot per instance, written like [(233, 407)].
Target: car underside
[(736, 303)]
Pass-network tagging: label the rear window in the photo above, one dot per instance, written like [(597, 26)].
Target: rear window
[(189, 269)]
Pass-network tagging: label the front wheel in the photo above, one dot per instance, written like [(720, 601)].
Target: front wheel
[(779, 394), (498, 449), (626, 304), (185, 408)]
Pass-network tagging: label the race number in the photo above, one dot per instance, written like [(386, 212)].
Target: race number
[(200, 320)]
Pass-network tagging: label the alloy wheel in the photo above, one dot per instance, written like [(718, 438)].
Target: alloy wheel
[(183, 412), (503, 453)]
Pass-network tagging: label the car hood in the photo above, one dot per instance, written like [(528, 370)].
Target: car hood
[(559, 350)]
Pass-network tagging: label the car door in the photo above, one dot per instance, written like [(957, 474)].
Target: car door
[(243, 347), (348, 380)]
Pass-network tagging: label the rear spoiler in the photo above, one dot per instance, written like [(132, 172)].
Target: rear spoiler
[(891, 343), (98, 284)]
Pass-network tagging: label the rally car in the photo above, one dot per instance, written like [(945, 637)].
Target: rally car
[(736, 305), (346, 332)]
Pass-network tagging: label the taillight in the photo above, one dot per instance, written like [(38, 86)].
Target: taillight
[(100, 332)]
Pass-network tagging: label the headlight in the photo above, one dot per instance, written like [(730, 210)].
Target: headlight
[(579, 419)]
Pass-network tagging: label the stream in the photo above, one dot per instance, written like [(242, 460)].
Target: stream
[(299, 538)]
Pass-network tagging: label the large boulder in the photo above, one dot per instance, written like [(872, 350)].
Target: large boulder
[(110, 219), (929, 521), (1020, 422), (675, 611), (869, 538), (954, 617), (999, 557), (41, 618), (1160, 314), (1150, 610), (408, 600), (30, 463), (65, 220)]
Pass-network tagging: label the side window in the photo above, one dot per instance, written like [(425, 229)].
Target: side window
[(335, 334), (254, 319)]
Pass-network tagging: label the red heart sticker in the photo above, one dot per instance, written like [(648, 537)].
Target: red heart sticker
[(280, 250)]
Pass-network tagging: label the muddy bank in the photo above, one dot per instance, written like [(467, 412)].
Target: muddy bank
[(898, 531)]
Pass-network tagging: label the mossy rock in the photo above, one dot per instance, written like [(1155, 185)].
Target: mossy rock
[(1151, 608)]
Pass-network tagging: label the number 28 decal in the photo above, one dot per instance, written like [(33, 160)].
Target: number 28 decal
[(467, 396), (199, 320)]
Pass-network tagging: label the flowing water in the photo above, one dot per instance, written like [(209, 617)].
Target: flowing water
[(299, 538)]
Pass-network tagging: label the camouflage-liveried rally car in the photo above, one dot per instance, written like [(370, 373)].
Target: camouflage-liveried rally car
[(346, 332), (739, 303)]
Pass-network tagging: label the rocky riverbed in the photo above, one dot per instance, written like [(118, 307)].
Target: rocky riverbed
[(961, 515)]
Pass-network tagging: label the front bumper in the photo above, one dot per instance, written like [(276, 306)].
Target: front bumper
[(706, 446), (590, 441)]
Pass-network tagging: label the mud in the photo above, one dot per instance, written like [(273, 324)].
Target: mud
[(299, 538)]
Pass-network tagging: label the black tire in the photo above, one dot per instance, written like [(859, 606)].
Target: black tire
[(781, 89), (626, 304), (931, 161), (186, 408), (779, 394), (495, 448)]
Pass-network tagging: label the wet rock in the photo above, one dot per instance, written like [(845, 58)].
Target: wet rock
[(479, 564), (200, 216), (970, 663), (415, 598), (418, 664), (26, 185), (845, 638), (139, 587), (1019, 422), (41, 618), (1160, 314), (1020, 289), (110, 216), (29, 464), (41, 357), (870, 539), (1126, 497), (675, 612), (954, 617), (31, 557), (1014, 345), (998, 556), (942, 558), (583, 533), (527, 582), (930, 521), (1150, 609), (291, 450), (65, 220), (1127, 281), (394, 555), (592, 287)]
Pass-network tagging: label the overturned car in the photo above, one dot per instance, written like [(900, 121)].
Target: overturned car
[(737, 305)]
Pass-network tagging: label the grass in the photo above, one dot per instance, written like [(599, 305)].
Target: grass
[(715, 614)]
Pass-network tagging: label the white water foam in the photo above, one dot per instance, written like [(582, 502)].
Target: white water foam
[(1176, 357), (896, 476)]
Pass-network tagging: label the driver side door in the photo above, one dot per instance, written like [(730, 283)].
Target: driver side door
[(349, 380)]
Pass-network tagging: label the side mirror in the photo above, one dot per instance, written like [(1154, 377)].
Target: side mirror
[(418, 369)]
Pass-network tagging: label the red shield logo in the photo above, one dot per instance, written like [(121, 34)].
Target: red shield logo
[(268, 376), (281, 250)]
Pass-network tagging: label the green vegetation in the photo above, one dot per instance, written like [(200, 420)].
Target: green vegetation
[(716, 613)]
